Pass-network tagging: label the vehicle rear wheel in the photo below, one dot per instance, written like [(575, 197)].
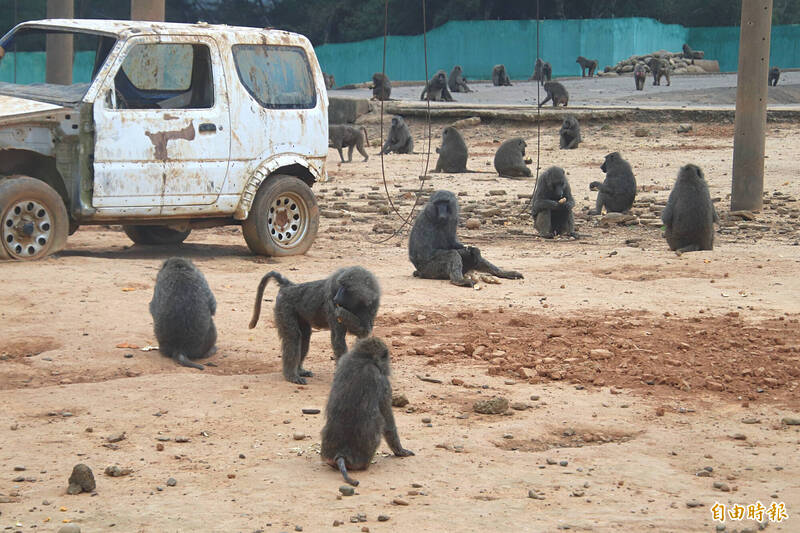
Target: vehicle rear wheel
[(158, 235), (283, 219), (33, 218)]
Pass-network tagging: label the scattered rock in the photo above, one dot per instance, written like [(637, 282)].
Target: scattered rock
[(347, 490), (742, 214), (398, 501), (418, 332), (611, 219), (310, 411), (684, 128), (519, 406), (182, 439), (70, 528), (116, 438), (600, 353), (299, 436), (493, 406), (473, 223), (19, 469), (115, 471), (693, 503), (722, 486), (563, 463), (465, 122), (81, 480), (641, 132), (383, 518), (171, 482), (790, 421), (399, 400)]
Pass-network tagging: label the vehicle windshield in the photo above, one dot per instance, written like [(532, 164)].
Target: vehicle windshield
[(23, 64)]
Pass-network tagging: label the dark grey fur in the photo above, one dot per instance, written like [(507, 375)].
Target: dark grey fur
[(689, 215), (344, 302), (660, 69), (183, 307), (381, 86), (457, 82), (359, 409), (555, 92), (435, 251), (552, 204), (344, 135), (436, 89), (618, 191), (688, 53), (774, 76), (509, 160), (399, 139), (570, 133), (639, 75), (330, 81), (542, 71), (590, 64), (453, 154), (499, 76)]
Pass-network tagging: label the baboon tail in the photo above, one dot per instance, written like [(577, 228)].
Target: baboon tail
[(185, 361), (340, 462), (366, 139), (283, 282)]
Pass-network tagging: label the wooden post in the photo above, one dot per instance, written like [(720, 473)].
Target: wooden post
[(751, 105), (58, 63), (147, 10)]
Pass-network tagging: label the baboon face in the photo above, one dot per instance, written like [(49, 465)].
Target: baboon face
[(457, 68), (361, 301), (522, 146), (441, 78), (442, 208), (610, 158), (395, 122), (556, 184), (446, 132), (693, 172)]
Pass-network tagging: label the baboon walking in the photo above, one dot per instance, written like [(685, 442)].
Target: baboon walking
[(344, 135)]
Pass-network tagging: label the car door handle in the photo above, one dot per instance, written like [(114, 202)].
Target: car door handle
[(207, 127)]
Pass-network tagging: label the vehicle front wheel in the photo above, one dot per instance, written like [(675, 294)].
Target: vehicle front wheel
[(33, 218), (283, 219), (155, 234)]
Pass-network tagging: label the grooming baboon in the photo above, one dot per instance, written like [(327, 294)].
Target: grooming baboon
[(436, 89), (555, 92), (359, 409), (509, 160), (183, 307), (774, 76), (330, 81), (570, 133), (590, 64), (499, 76), (660, 68), (399, 138), (453, 153), (457, 82), (542, 71), (552, 204), (689, 215), (341, 135), (688, 53), (618, 190), (434, 249), (639, 75), (346, 301), (381, 86)]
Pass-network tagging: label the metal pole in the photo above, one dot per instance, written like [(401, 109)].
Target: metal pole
[(751, 105), (58, 67), (147, 10)]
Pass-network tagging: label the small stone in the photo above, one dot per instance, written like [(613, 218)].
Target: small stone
[(128, 355), (310, 411), (171, 482), (684, 128), (417, 485), (600, 353), (398, 501), (563, 463), (535, 397), (70, 528), (116, 437), (426, 420), (739, 436), (751, 420), (399, 400), (241, 456), (641, 132), (160, 488), (115, 471), (493, 406), (383, 518), (182, 439), (693, 503), (160, 447), (519, 406), (508, 436), (81, 480), (364, 529), (722, 486), (703, 473), (418, 332), (337, 523), (299, 436), (578, 493), (19, 469), (790, 421), (551, 461), (473, 223), (298, 528), (347, 490)]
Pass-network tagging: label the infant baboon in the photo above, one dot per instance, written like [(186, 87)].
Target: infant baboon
[(457, 82), (509, 160), (660, 68), (346, 301), (774, 76), (435, 251), (542, 71), (689, 215), (453, 153), (341, 135), (499, 76), (618, 190), (552, 204), (183, 307), (381, 86), (555, 92), (436, 89), (639, 75), (399, 139), (590, 64), (359, 409), (330, 81), (570, 133)]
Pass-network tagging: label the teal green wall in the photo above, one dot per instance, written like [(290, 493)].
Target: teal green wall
[(31, 67), (722, 44)]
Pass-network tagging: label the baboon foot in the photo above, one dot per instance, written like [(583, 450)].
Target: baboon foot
[(185, 361), (404, 453), (305, 373), (211, 352), (463, 282), (296, 379), (509, 274), (417, 274), (547, 235), (690, 248)]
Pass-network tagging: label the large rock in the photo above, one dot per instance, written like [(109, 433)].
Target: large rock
[(708, 65), (346, 110)]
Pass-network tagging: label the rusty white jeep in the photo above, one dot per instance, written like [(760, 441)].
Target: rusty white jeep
[(167, 127)]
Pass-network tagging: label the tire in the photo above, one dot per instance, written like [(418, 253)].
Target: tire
[(158, 235), (33, 219), (283, 219)]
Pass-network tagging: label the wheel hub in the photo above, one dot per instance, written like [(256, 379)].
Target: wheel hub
[(286, 220), (27, 228)]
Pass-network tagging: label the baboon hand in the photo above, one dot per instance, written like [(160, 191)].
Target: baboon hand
[(404, 453)]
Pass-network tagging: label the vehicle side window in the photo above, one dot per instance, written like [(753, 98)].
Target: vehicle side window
[(165, 76), (278, 77)]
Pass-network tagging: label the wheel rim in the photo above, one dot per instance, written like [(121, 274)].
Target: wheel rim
[(27, 229), (287, 220)]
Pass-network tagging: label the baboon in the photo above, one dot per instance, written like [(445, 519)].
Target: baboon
[(542, 71), (359, 409), (688, 53), (341, 135), (639, 75), (435, 251), (453, 153), (689, 215), (399, 139), (509, 160), (774, 76), (660, 68), (555, 92), (618, 190), (590, 64), (570, 133), (330, 81), (552, 204), (499, 76), (436, 89), (457, 82), (346, 301), (381, 86), (183, 307)]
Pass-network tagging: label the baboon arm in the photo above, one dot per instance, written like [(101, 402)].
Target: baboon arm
[(716, 215), (666, 215), (212, 303), (543, 204), (390, 428), (338, 340)]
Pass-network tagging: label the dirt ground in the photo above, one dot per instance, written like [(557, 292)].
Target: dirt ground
[(662, 384)]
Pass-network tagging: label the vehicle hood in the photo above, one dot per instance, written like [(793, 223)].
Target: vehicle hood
[(14, 109)]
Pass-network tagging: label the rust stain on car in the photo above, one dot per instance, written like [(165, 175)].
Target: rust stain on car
[(161, 138)]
